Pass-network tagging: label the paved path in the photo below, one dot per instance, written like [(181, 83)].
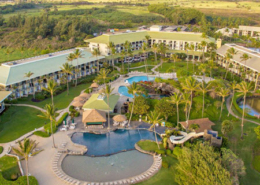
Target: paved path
[(228, 101), (26, 105)]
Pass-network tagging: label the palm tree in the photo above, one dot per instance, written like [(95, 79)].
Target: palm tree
[(108, 92), (233, 86), (211, 66), (112, 51), (29, 75), (25, 150), (77, 54), (244, 89), (147, 38), (186, 100), (187, 47), (144, 49), (174, 58), (204, 88), (162, 51), (67, 69), (222, 92), (123, 54), (226, 127), (133, 89), (244, 58), (211, 48), (51, 88), (49, 113), (153, 117), (192, 47), (96, 53), (203, 68), (155, 50), (71, 57), (228, 58), (103, 75), (194, 126), (129, 54), (176, 99), (203, 45)]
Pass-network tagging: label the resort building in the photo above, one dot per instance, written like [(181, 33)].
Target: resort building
[(175, 41), (251, 31), (44, 67), (252, 65), (3, 95), (99, 102)]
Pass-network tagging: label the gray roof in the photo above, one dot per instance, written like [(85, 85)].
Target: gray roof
[(39, 66), (253, 63)]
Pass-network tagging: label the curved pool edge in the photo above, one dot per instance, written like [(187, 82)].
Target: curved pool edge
[(155, 167)]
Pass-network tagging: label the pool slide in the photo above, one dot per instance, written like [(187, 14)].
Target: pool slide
[(184, 137)]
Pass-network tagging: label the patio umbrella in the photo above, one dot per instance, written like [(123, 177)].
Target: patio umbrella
[(77, 103), (79, 98), (94, 85), (85, 95), (119, 118)]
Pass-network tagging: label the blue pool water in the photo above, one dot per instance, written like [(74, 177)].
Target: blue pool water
[(124, 91), (113, 142), (139, 78)]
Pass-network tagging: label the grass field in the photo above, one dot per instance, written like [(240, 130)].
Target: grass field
[(8, 167), (17, 121)]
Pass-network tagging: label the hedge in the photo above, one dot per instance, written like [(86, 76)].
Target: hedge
[(22, 180), (41, 134), (239, 109), (47, 127), (1, 149)]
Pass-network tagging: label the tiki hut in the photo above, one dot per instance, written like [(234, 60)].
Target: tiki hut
[(79, 98), (119, 118), (77, 103), (85, 95), (94, 117), (94, 85)]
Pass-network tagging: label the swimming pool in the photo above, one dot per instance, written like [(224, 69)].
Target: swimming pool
[(139, 78), (124, 91), (103, 169), (252, 105), (112, 142)]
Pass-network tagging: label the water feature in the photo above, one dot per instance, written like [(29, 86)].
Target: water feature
[(103, 169), (113, 142), (252, 104)]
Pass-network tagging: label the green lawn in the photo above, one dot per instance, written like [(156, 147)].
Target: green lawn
[(61, 101), (8, 167), (17, 121)]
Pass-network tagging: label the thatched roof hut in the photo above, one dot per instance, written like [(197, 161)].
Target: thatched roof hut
[(119, 118)]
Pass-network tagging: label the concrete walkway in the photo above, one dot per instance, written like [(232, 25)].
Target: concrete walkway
[(228, 102), (26, 105)]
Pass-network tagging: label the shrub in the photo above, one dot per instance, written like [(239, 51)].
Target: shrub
[(177, 151), (71, 108), (14, 176), (39, 97), (168, 152), (88, 90), (77, 114), (169, 124), (162, 152), (20, 181), (165, 165), (1, 149), (41, 134), (224, 142), (47, 127)]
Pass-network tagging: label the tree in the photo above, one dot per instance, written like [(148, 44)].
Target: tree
[(144, 49), (67, 69), (186, 100), (147, 38), (227, 57), (102, 75), (174, 58), (112, 51), (153, 117), (176, 99), (25, 150), (203, 68), (222, 92), (107, 91), (244, 58), (133, 89), (203, 45), (164, 108), (49, 114), (244, 89), (233, 164), (187, 47), (51, 88), (29, 75), (77, 54), (257, 131), (199, 162), (155, 50), (226, 127), (71, 57), (141, 105), (194, 126), (96, 53), (211, 66), (162, 51), (203, 88), (233, 86)]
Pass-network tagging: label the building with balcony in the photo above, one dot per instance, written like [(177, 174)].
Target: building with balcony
[(251, 66), (44, 67), (3, 95), (175, 41)]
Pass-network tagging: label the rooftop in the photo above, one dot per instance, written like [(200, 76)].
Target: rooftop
[(93, 116), (253, 63), (13, 72), (119, 38), (249, 28), (204, 124), (4, 95)]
